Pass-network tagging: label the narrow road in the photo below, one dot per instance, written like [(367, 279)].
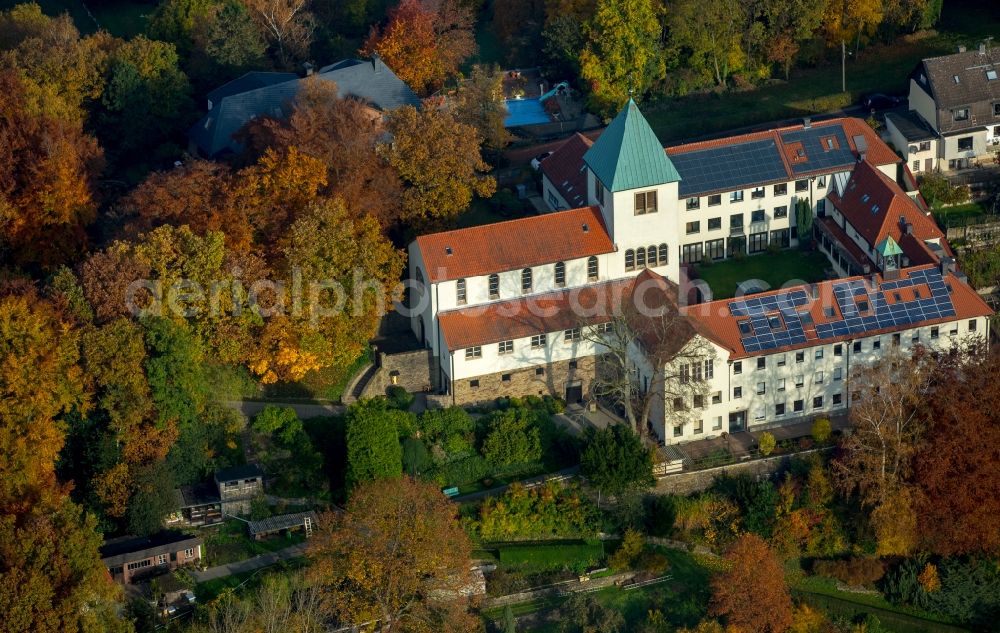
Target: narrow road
[(302, 409), (250, 564)]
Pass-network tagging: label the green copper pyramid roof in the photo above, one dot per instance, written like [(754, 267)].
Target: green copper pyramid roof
[(888, 247), (627, 155)]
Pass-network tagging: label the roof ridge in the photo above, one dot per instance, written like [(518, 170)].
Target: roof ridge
[(510, 222)]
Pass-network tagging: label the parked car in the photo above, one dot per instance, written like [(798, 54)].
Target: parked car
[(879, 101), (536, 162)]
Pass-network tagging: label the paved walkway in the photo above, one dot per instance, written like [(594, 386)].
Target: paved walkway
[(741, 442), (250, 564), (302, 409)]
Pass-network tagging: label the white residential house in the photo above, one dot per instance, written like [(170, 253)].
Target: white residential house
[(512, 308)]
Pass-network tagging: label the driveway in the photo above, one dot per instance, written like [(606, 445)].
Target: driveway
[(250, 564)]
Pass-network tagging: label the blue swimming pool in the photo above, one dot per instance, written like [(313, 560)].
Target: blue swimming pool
[(524, 112)]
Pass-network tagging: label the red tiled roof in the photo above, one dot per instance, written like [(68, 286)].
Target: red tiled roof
[(878, 152), (846, 242), (715, 321), (874, 204), (534, 314), (564, 169), (567, 309), (514, 244)]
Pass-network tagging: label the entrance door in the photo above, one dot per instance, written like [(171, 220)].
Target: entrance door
[(928, 164), (737, 421), (574, 392)]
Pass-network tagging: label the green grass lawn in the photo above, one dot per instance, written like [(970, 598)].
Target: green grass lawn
[(958, 215), (209, 590), (774, 269), (554, 556), (816, 90), (229, 542)]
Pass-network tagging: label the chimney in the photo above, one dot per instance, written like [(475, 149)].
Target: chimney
[(947, 265), (961, 48), (874, 281), (908, 228), (806, 123), (307, 69), (982, 48), (377, 63), (814, 291)]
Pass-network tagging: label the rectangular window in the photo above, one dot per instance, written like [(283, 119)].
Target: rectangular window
[(685, 375), (934, 332), (819, 354), (460, 291), (877, 344), (821, 182), (473, 352), (916, 166), (678, 404), (801, 185), (818, 402), (717, 397), (140, 564), (696, 374), (781, 238), (691, 253), (603, 328), (678, 430), (494, 286), (857, 347), (505, 347), (715, 200), (693, 203), (505, 378), (838, 350), (757, 216), (781, 360), (189, 552), (699, 401), (736, 221), (714, 224), (818, 379), (895, 339), (571, 335), (736, 196), (645, 202), (965, 144), (915, 338), (474, 384), (761, 388), (599, 191), (800, 357), (560, 274), (738, 367), (759, 414), (161, 559), (592, 269), (737, 393), (837, 398), (699, 427), (709, 369), (972, 325), (779, 409), (780, 384), (715, 249), (693, 227), (925, 146), (538, 341), (539, 371), (758, 242), (756, 192), (572, 364), (780, 190), (780, 212), (717, 424), (961, 114), (838, 374), (797, 405), (761, 363), (800, 380)]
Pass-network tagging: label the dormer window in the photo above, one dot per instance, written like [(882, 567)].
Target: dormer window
[(526, 280), (996, 109), (560, 274), (645, 202), (494, 286), (961, 114), (460, 296), (599, 191), (745, 329)]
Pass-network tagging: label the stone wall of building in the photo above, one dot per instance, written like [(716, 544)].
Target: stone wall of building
[(688, 482), (410, 370), (552, 381)]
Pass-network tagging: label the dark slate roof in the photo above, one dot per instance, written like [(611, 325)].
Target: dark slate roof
[(233, 473), (131, 548), (627, 154), (197, 495), (271, 94), (779, 155), (912, 126), (970, 79)]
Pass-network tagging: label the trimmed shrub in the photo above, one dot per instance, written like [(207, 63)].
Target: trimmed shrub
[(399, 398), (767, 443), (821, 430)]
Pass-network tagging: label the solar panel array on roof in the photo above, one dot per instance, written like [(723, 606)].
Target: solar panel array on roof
[(728, 167), (863, 309), (819, 154)]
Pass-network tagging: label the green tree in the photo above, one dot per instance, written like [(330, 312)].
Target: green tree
[(710, 32), (274, 419), (480, 103), (232, 41), (767, 443), (615, 460), (373, 448), (803, 223), (175, 371), (179, 21), (623, 55), (513, 438), (153, 500), (443, 181)]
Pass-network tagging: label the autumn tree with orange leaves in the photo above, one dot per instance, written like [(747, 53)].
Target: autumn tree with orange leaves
[(424, 41), (752, 594), (396, 558)]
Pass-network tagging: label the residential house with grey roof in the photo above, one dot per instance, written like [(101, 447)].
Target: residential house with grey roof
[(954, 117), (257, 94)]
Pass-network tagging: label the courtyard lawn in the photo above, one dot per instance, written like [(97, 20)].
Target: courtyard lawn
[(959, 215), (773, 269)]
